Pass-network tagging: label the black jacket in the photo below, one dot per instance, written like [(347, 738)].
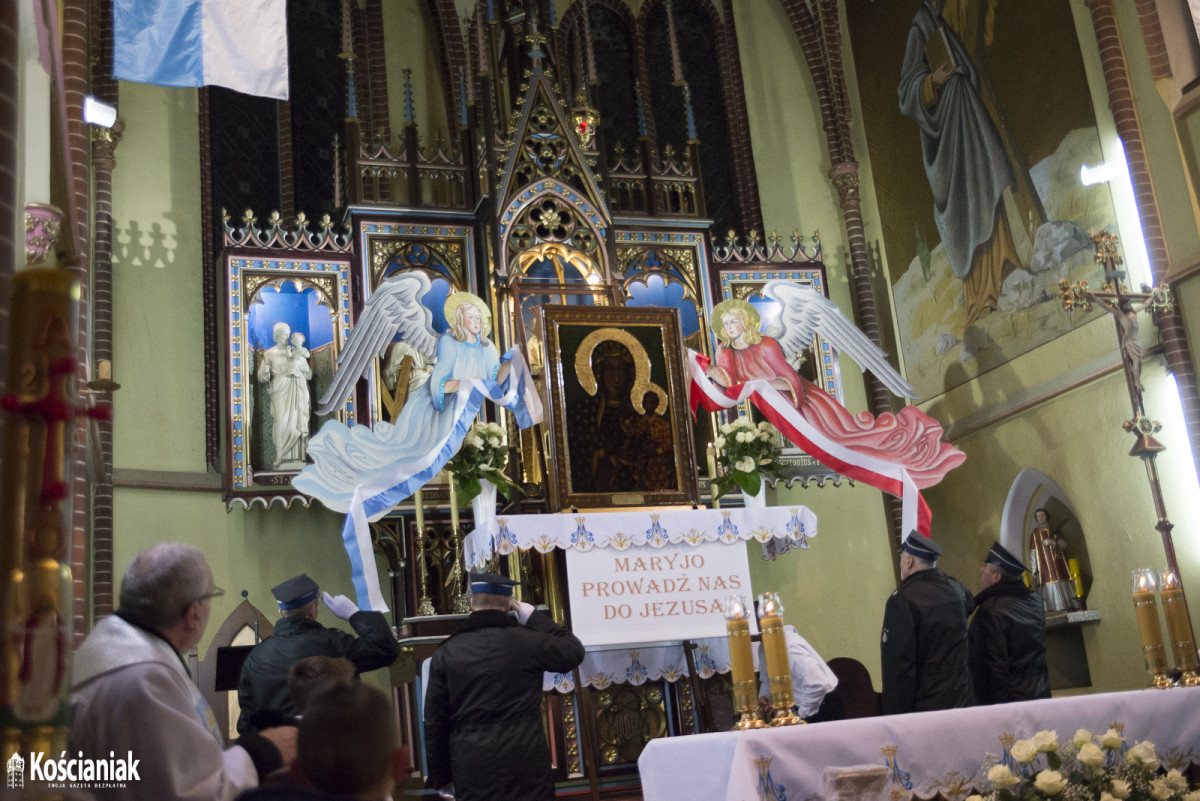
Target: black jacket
[(924, 644), (1008, 645), (483, 727), (263, 683)]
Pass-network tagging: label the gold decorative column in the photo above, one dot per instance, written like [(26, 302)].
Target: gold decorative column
[(39, 429)]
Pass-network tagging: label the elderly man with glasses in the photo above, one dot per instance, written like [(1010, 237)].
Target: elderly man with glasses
[(133, 697)]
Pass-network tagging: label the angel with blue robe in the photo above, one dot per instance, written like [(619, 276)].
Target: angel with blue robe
[(387, 463)]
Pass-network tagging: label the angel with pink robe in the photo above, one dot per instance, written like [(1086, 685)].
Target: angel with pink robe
[(909, 438)]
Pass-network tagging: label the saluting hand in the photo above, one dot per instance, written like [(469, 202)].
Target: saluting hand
[(522, 609), (341, 606)]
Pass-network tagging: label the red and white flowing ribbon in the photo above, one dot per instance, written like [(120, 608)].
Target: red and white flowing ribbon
[(891, 477)]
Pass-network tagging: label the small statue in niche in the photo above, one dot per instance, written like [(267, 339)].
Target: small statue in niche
[(1049, 549), (286, 371)]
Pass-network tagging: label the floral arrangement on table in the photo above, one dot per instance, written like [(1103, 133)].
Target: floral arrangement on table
[(1093, 767), (482, 456), (747, 452)]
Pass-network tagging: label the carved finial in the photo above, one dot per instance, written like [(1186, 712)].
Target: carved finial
[(409, 114)]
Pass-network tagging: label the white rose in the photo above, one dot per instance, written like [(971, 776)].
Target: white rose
[(1194, 795), (719, 443), (494, 442), (1046, 741), (473, 441), (1091, 755), (727, 428), (741, 436), (975, 797), (1120, 788), (495, 428), (1023, 751), (1111, 739), (746, 465), (764, 436), (1081, 737), (1160, 789), (1001, 776), (1107, 796), (1142, 753), (1176, 781), (1050, 782)]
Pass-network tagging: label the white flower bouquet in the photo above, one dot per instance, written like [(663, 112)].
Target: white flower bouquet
[(483, 455), (746, 452), (1093, 767)]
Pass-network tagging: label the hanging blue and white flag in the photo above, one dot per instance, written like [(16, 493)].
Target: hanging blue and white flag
[(238, 44)]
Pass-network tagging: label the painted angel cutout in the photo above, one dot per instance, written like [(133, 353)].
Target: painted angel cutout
[(388, 462), (745, 353)]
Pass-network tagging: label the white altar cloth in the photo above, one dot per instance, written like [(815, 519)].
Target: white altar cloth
[(638, 664), (641, 527), (923, 753)]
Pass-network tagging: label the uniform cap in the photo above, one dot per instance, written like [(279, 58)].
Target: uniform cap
[(1004, 559), (921, 546), (295, 592), (492, 584)]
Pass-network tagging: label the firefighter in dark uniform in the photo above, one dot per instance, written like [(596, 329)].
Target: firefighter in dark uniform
[(483, 728), (1008, 634), (262, 687), (923, 645)]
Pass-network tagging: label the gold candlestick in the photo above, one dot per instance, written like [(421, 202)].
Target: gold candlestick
[(1145, 581), (424, 604), (461, 604), (741, 663), (1183, 643), (779, 672)]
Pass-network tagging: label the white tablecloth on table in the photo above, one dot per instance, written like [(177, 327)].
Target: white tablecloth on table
[(923, 753), (652, 528)]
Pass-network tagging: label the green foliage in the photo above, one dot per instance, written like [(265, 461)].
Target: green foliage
[(483, 455), (746, 453)]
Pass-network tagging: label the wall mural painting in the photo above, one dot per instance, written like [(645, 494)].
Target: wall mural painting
[(978, 119)]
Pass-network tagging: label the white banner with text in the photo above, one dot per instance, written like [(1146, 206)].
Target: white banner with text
[(676, 592)]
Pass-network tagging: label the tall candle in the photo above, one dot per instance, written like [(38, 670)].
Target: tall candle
[(741, 660), (1183, 645), (417, 497), (712, 474), (453, 503), (1150, 631), (779, 674), (1076, 576)]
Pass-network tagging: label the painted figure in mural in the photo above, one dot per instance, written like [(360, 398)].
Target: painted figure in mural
[(1049, 547), (349, 456), (959, 138), (603, 455), (286, 371), (744, 353), (656, 442)]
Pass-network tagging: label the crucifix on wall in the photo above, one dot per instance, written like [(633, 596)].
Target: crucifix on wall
[(1124, 306)]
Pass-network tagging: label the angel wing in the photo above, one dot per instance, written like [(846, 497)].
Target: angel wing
[(806, 311), (394, 308)]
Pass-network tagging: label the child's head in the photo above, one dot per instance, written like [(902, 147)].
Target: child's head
[(650, 402), (297, 340)]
